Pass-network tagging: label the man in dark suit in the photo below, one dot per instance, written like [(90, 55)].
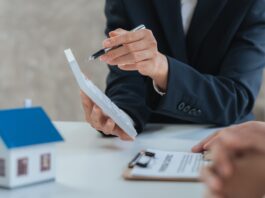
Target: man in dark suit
[(207, 70)]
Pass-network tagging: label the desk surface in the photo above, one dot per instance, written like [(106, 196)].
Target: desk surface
[(91, 166)]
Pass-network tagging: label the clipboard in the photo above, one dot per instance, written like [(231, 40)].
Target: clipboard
[(159, 165)]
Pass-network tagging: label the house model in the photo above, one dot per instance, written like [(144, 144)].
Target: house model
[(27, 147)]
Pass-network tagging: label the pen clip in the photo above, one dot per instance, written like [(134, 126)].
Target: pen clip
[(140, 27)]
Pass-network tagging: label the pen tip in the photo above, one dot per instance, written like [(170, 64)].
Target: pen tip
[(91, 58)]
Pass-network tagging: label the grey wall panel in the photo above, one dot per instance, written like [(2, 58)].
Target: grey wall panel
[(33, 35)]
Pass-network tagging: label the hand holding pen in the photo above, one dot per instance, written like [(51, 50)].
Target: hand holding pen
[(105, 50), (135, 50)]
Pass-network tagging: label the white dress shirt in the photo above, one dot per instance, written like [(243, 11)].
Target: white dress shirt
[(187, 11)]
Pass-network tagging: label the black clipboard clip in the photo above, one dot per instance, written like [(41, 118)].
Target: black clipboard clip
[(142, 159)]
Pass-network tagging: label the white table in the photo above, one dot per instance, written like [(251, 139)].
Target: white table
[(90, 166)]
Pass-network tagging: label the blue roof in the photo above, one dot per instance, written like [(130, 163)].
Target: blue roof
[(27, 126)]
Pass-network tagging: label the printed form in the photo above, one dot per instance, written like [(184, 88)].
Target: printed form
[(170, 165)]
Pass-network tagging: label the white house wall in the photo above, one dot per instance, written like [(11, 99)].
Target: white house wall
[(34, 174), (4, 155)]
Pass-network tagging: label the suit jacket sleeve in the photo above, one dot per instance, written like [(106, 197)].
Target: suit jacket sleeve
[(126, 89), (228, 97)]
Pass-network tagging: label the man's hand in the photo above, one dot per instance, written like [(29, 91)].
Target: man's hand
[(235, 141), (234, 131), (229, 150), (247, 180), (100, 121), (138, 53), (205, 144)]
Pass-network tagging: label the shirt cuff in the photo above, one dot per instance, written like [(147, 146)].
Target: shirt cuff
[(157, 89)]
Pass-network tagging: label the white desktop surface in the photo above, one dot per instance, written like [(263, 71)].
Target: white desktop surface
[(90, 166)]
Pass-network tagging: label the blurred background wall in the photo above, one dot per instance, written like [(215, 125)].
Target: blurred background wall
[(33, 35)]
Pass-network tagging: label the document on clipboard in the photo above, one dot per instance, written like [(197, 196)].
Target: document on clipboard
[(154, 164)]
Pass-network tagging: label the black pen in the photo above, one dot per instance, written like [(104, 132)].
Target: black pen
[(105, 50)]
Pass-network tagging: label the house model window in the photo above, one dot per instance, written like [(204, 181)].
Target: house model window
[(2, 168), (45, 162), (22, 167)]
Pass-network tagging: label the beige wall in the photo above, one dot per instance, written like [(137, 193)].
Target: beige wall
[(33, 35)]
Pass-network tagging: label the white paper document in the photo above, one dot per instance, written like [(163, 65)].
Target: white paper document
[(99, 98), (171, 165)]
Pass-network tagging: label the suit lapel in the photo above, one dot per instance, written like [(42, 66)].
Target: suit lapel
[(204, 17), (169, 13)]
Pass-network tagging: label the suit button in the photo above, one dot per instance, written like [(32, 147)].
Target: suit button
[(187, 108), (199, 112), (192, 112), (181, 106)]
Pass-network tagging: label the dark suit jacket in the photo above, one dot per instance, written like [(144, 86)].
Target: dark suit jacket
[(215, 71)]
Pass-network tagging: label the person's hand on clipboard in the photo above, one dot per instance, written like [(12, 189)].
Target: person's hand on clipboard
[(99, 121)]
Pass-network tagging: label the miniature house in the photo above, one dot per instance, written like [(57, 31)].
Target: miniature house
[(27, 147)]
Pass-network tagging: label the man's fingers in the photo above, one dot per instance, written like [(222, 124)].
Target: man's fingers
[(117, 32), (87, 112), (109, 126), (124, 50), (231, 141), (245, 140), (112, 128), (87, 106), (211, 179), (211, 142), (221, 158), (210, 194), (99, 121), (142, 67), (121, 134), (85, 99), (132, 58), (113, 54), (131, 67), (200, 146), (129, 37), (97, 118)]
